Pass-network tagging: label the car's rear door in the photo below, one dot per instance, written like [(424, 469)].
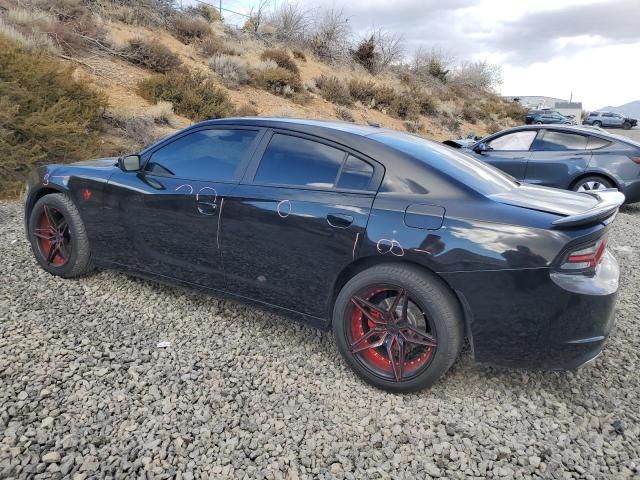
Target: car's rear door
[(557, 157), (165, 219), (296, 220), (510, 152)]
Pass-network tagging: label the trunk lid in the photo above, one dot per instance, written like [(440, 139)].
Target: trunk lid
[(573, 208)]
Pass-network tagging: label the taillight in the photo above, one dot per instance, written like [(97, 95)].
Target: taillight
[(584, 259), (635, 160)]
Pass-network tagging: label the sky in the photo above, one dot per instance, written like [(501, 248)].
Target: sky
[(556, 48)]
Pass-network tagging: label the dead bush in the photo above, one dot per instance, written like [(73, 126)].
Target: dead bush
[(493, 127), (30, 39), (151, 54), (301, 98), (276, 80), (343, 113), (333, 90), (211, 45), (363, 91), (162, 114), (413, 126), (148, 13), (247, 110), (282, 59), (232, 70), (209, 13), (46, 116), (426, 103), (190, 27), (193, 94), (299, 55), (405, 107), (138, 129), (385, 97)]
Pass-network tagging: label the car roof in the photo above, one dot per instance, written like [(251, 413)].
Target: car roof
[(565, 128), (296, 123)]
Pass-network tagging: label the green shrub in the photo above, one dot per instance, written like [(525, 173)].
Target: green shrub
[(282, 59), (46, 116), (277, 80), (363, 91), (152, 54), (333, 90), (190, 27), (193, 94)]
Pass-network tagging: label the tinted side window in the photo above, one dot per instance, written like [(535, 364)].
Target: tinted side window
[(206, 154), (356, 174), (558, 141), (516, 141), (297, 161), (596, 142)]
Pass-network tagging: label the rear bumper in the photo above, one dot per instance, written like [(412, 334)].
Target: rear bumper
[(535, 319)]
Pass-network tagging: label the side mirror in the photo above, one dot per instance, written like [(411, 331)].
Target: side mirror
[(481, 148), (129, 163)]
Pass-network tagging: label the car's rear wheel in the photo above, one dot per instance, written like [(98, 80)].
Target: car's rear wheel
[(397, 327), (591, 184), (58, 237), (597, 123), (538, 123), (626, 125)]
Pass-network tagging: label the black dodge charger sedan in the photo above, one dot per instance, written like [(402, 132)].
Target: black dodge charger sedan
[(402, 246)]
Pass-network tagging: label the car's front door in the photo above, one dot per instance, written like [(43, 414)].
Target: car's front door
[(165, 218), (557, 157), (296, 221), (509, 152)]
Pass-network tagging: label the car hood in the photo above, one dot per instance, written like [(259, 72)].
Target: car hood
[(99, 162), (544, 199)]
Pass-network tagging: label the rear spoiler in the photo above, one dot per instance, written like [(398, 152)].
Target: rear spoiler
[(610, 200)]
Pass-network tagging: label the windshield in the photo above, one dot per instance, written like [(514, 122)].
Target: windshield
[(476, 174)]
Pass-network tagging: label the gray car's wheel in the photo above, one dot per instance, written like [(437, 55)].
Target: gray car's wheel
[(626, 125), (597, 123), (398, 327), (590, 184), (58, 238)]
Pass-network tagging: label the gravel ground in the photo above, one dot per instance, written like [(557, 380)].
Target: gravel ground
[(239, 393)]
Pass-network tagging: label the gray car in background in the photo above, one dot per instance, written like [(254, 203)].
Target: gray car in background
[(562, 156), (609, 119)]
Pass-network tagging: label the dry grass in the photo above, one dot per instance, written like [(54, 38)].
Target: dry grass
[(232, 70)]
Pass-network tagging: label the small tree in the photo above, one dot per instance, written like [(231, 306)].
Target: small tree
[(431, 63), (257, 16), (480, 75), (365, 53), (331, 35)]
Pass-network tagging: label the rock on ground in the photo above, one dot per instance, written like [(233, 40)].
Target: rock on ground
[(240, 393)]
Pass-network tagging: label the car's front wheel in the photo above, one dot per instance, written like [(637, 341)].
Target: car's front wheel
[(398, 327), (597, 123), (590, 184), (626, 125), (58, 237)]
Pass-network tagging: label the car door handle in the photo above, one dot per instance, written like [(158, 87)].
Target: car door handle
[(339, 220)]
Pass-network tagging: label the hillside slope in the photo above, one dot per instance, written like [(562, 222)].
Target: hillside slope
[(158, 73)]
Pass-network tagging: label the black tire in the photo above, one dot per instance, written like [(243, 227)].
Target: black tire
[(626, 125), (538, 123), (606, 183), (440, 309), (77, 259), (597, 123)]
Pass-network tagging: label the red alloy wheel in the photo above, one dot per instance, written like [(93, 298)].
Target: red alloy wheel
[(391, 334), (53, 237)]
